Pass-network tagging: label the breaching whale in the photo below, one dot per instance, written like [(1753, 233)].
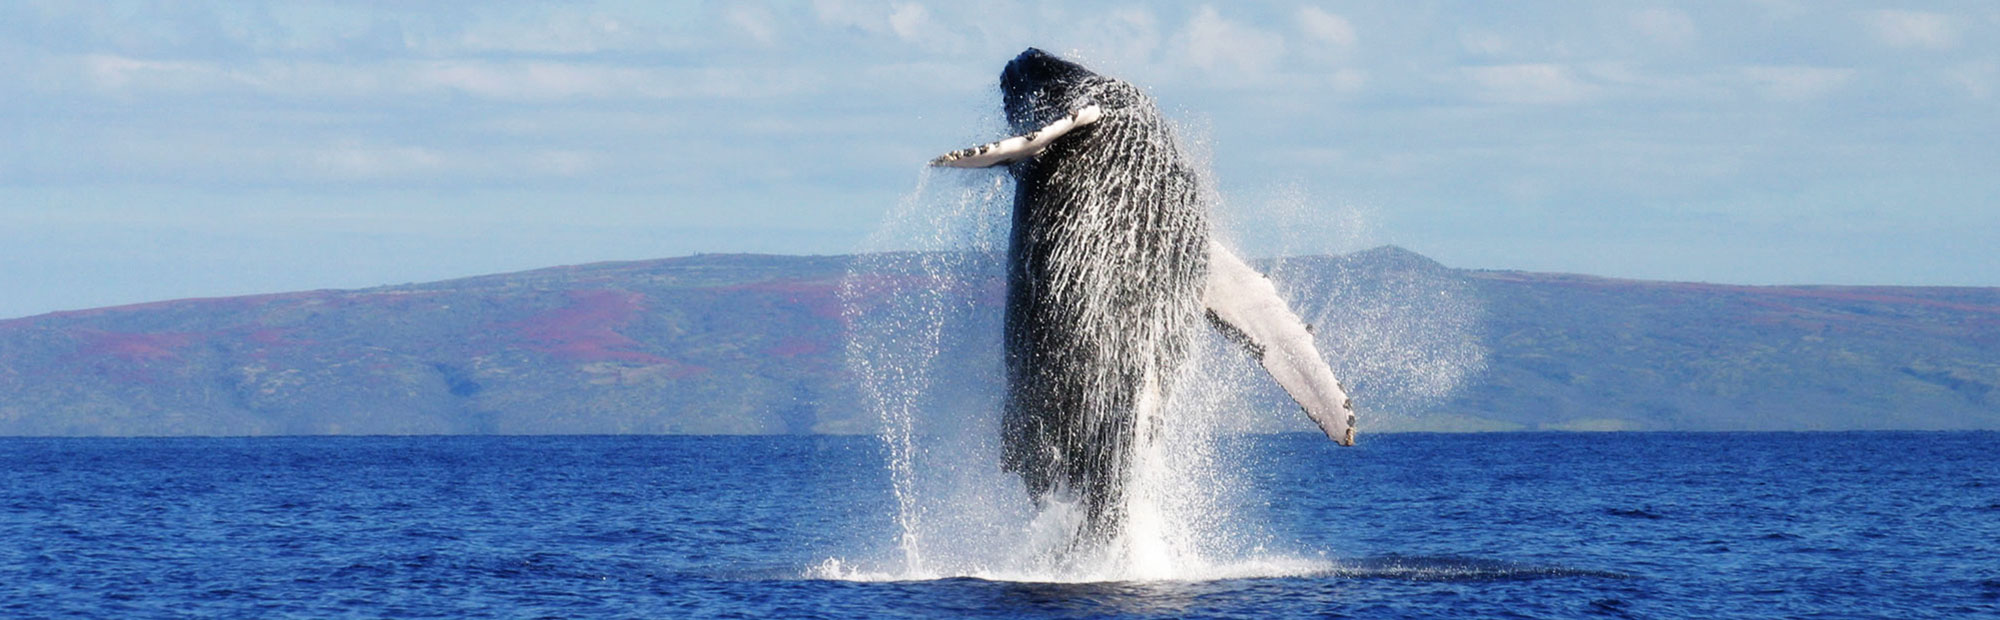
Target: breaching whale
[(1110, 269)]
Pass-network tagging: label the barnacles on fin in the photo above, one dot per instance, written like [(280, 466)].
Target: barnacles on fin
[(1021, 146)]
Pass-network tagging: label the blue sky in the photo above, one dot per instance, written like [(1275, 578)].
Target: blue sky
[(162, 150)]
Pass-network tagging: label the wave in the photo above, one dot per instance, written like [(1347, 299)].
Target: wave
[(1397, 567)]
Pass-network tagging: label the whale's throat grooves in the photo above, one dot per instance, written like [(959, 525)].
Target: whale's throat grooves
[(1106, 266)]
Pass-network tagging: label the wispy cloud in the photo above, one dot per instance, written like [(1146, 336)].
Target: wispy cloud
[(1977, 79), (557, 33), (1791, 83), (1128, 37), (373, 162), (358, 161), (1442, 117), (1319, 25), (1533, 83), (754, 21), (1912, 29), (911, 21), (110, 72), (864, 16), (507, 80), (1665, 26), (1222, 47), (1491, 44)]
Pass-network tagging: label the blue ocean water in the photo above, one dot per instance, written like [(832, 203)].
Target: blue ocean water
[(1890, 525)]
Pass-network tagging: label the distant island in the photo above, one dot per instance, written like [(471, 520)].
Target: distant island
[(754, 344)]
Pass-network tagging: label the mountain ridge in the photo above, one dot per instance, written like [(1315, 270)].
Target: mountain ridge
[(755, 343)]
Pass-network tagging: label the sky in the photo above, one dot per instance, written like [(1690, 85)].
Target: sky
[(174, 149)]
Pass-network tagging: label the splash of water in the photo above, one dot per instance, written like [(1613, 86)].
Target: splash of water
[(924, 341), (907, 303), (1401, 331), (922, 304)]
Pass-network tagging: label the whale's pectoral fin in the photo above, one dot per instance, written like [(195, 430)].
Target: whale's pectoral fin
[(1245, 306), (1021, 146)]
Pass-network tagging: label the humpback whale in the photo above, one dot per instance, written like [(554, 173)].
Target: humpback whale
[(1110, 272)]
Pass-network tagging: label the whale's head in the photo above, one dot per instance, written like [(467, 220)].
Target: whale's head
[(1037, 88), (1046, 98)]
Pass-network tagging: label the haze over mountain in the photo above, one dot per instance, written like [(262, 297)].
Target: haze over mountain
[(755, 344)]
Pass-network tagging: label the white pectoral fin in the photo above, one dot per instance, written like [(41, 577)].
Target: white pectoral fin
[(1246, 307), (1019, 147)]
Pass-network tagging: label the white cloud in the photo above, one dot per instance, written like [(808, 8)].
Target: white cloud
[(1665, 26), (544, 80), (125, 76), (563, 162), (1326, 27), (1347, 80), (1126, 38), (526, 80), (354, 160), (1977, 79), (850, 15), (357, 161), (1629, 80), (557, 33), (110, 72), (927, 76), (1784, 9), (755, 21), (1912, 29), (587, 101), (1213, 44), (910, 21), (1532, 83), (1791, 83), (1486, 43), (507, 80)]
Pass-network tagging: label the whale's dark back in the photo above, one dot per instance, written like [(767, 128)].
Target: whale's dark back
[(1106, 264)]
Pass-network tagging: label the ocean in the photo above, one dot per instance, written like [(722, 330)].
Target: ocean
[(1530, 525)]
